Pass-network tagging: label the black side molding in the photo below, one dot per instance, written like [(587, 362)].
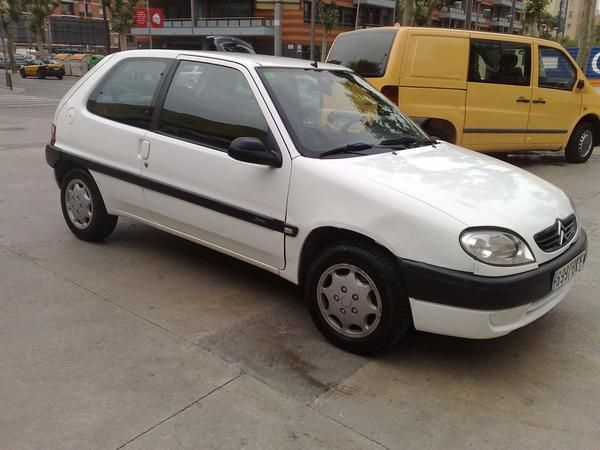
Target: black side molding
[(54, 156), (466, 290)]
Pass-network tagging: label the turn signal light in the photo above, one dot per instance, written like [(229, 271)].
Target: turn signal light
[(391, 92), (53, 135)]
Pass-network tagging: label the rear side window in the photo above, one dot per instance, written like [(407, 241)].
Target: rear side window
[(211, 105), (500, 62), (556, 71), (365, 52), (127, 92)]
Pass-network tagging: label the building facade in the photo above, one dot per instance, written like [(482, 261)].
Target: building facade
[(486, 15), (187, 21), (572, 18), (75, 25)]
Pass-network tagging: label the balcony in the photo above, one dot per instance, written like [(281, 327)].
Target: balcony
[(452, 13), (508, 4), (381, 3), (504, 22), (230, 26)]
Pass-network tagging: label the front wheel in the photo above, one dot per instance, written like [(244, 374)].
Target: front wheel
[(22, 73), (83, 207), (581, 143), (356, 298)]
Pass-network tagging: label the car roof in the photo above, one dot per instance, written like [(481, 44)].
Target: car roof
[(246, 59)]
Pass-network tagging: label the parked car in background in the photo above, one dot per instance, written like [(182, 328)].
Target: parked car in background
[(42, 68), (485, 91), (384, 228)]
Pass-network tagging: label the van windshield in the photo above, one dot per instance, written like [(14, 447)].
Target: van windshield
[(330, 110), (365, 52)]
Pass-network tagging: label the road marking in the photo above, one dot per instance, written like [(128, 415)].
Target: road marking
[(25, 101)]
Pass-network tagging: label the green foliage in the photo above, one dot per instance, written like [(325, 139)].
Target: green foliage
[(10, 10), (121, 15), (536, 8), (329, 15), (39, 10)]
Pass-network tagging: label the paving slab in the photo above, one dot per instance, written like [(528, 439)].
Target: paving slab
[(246, 414), (80, 373)]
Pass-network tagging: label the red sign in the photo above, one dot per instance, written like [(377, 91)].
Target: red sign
[(157, 18), (140, 18)]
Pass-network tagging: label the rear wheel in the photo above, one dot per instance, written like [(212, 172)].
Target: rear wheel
[(40, 74), (83, 207), (60, 77), (356, 298), (22, 73), (581, 143)]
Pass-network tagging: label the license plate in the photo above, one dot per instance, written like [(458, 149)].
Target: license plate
[(568, 271)]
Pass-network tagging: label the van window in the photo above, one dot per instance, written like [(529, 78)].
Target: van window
[(211, 105), (556, 71), (500, 62), (365, 52), (126, 94)]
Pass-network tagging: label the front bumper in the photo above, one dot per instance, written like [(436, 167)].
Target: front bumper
[(461, 304)]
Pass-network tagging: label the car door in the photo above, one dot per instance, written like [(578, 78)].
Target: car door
[(115, 122), (498, 93), (194, 187), (556, 101)]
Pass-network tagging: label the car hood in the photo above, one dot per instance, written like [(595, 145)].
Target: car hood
[(473, 188)]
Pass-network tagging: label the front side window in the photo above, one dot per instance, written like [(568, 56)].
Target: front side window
[(500, 62), (211, 105), (127, 93), (555, 70), (326, 110)]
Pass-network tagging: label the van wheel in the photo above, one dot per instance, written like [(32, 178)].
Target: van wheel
[(356, 298), (83, 207), (581, 143)]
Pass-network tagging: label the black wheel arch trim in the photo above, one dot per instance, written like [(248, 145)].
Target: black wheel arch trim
[(466, 290), (55, 156)]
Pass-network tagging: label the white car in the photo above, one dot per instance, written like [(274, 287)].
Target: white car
[(305, 170)]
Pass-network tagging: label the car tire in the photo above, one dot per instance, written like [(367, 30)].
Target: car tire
[(60, 77), (83, 207), (581, 143), (40, 74), (356, 298), (22, 73)]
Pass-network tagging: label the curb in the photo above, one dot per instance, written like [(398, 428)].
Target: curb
[(4, 89)]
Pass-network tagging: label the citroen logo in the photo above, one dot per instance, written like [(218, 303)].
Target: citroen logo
[(560, 231)]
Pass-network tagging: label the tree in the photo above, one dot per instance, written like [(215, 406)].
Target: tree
[(423, 11), (534, 11), (329, 18), (409, 12), (586, 32), (10, 11), (39, 10), (121, 20)]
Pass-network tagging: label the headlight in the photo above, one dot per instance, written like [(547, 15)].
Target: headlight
[(496, 247)]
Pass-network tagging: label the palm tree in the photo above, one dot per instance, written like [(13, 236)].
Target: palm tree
[(10, 12), (39, 10), (121, 20), (329, 18)]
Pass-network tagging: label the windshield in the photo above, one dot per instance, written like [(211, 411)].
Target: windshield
[(326, 110)]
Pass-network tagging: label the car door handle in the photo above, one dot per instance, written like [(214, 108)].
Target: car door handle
[(539, 100), (522, 100), (144, 151)]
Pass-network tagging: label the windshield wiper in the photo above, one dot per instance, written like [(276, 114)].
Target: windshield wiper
[(350, 148), (408, 140)]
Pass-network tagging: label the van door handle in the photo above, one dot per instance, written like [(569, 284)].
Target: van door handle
[(522, 100), (539, 100), (144, 151)]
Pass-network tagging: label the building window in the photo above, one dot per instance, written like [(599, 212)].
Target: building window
[(67, 9)]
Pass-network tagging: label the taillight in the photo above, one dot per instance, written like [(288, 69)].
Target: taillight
[(53, 135), (391, 92)]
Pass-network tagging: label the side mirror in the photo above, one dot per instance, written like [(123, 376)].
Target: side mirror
[(252, 150), (580, 84)]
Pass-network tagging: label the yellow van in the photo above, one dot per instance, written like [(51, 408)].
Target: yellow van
[(484, 91)]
